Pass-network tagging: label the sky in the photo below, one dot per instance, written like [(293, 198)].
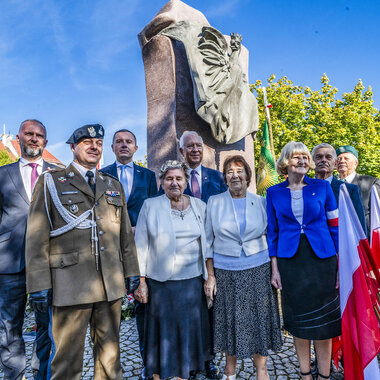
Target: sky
[(74, 62)]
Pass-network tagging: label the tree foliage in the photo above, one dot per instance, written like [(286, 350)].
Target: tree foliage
[(4, 158), (316, 116)]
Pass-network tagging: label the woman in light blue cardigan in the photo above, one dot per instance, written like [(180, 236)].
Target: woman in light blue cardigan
[(246, 320)]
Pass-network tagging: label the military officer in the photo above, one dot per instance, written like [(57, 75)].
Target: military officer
[(80, 249)]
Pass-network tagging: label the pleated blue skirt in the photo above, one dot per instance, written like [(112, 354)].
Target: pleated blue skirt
[(177, 337)]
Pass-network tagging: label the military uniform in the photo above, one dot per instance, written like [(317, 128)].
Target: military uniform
[(85, 268)]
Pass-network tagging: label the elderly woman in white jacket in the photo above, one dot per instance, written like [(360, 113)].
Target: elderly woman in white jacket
[(246, 320), (171, 246)]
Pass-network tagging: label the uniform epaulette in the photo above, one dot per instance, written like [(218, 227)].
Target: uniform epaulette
[(109, 175), (52, 170)]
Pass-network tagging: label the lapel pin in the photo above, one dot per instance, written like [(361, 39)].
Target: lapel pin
[(62, 179), (138, 170), (313, 193)]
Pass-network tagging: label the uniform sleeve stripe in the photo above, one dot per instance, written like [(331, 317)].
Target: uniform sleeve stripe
[(333, 222), (332, 214)]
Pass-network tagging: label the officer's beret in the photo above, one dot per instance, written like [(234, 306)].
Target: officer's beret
[(347, 149), (93, 131)]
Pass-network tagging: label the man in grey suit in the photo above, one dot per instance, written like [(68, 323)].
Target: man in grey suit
[(348, 161), (325, 159), (16, 186)]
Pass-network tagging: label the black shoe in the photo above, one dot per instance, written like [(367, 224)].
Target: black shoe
[(212, 371), (193, 375)]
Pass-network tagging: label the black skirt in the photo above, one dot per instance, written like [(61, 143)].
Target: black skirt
[(310, 301), (246, 319), (177, 336)]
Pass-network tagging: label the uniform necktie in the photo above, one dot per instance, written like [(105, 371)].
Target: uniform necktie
[(34, 175), (124, 180), (195, 189), (90, 180)]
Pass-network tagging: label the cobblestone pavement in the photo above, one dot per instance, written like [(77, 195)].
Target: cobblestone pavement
[(281, 366)]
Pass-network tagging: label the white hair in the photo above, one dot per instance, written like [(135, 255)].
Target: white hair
[(323, 145), (174, 164), (185, 134), (292, 147)]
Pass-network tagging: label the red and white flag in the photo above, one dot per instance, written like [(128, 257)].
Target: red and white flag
[(375, 225), (360, 326)]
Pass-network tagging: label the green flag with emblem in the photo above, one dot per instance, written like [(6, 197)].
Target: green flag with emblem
[(266, 171)]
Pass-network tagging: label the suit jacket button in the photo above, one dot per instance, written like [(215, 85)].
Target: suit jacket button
[(240, 242), (98, 218), (62, 264), (100, 233), (96, 203), (102, 248)]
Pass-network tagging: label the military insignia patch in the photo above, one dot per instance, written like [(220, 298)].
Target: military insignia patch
[(91, 131), (101, 131), (113, 193), (62, 179), (74, 209)]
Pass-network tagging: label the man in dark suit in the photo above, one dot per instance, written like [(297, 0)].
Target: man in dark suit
[(325, 159), (204, 182), (16, 186), (139, 184), (348, 161)]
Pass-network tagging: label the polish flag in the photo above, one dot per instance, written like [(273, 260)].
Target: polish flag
[(375, 225), (360, 326)]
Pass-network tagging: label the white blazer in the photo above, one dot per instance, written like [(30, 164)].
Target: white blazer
[(155, 237), (222, 227)]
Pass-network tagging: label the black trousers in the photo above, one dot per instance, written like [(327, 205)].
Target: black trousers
[(12, 346)]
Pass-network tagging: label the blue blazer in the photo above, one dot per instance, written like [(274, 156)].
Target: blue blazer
[(144, 186), (212, 184), (354, 192), (14, 208), (320, 219)]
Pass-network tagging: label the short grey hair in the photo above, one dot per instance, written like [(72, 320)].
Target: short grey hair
[(287, 152), (323, 145), (185, 134), (174, 164), (33, 121)]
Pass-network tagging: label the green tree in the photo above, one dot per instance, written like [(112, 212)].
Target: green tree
[(142, 163), (4, 158), (316, 116)]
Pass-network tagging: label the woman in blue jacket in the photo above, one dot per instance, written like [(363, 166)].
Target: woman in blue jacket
[(303, 245)]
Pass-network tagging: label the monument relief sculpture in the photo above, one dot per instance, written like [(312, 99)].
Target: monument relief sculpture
[(222, 96)]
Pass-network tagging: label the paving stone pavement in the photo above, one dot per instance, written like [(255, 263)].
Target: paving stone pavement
[(281, 366)]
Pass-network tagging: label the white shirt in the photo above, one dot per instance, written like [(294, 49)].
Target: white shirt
[(350, 177), (82, 170), (329, 179), (129, 172), (26, 173), (198, 176)]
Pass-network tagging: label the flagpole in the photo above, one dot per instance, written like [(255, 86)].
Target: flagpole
[(267, 116)]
